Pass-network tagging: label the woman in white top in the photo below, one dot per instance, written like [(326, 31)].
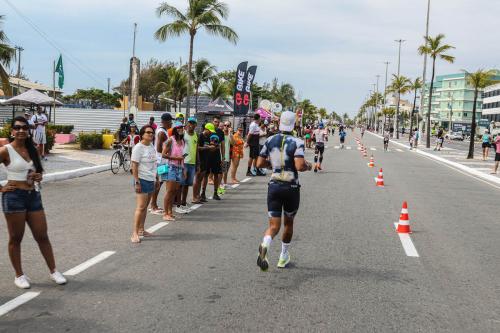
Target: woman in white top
[(144, 171), (22, 202)]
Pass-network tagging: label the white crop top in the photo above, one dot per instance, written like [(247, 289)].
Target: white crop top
[(18, 168)]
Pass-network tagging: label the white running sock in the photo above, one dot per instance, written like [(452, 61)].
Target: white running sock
[(267, 241), (284, 248)]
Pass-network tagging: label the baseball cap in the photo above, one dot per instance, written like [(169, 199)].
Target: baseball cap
[(178, 124), (179, 115), (214, 137), (210, 127), (192, 120), (166, 117), (287, 121)]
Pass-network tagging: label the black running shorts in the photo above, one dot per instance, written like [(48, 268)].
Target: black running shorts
[(320, 148), (254, 152), (283, 197)]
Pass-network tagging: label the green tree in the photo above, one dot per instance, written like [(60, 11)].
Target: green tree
[(434, 47), (283, 94), (7, 54), (207, 14), (202, 73), (217, 88), (400, 85), (415, 86), (323, 113), (96, 98), (177, 86), (308, 111), (478, 80)]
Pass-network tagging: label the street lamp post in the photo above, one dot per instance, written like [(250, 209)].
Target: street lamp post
[(396, 118), (422, 91), (450, 107)]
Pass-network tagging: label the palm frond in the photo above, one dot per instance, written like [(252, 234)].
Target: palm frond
[(174, 29), (222, 31), (166, 9), (447, 58)]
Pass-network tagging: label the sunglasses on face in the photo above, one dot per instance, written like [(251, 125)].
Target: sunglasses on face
[(20, 127)]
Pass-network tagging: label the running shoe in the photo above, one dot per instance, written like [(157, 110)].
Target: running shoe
[(315, 169), (22, 282), (250, 174), (181, 210), (216, 197), (262, 261), (260, 173), (58, 278), (284, 260)]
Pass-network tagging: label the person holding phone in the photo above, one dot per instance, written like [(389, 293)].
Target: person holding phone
[(174, 153)]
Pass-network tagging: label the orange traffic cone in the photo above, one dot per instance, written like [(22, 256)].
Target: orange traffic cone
[(380, 179), (404, 220), (372, 162)]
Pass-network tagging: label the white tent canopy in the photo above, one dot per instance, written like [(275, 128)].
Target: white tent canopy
[(30, 97)]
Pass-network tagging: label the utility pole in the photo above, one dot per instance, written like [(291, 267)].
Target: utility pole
[(385, 86), (109, 83), (376, 105), (422, 91), (396, 118), (19, 50)]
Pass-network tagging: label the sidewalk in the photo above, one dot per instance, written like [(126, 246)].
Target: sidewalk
[(65, 159), (454, 158)]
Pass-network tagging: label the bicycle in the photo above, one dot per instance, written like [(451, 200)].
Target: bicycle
[(120, 158)]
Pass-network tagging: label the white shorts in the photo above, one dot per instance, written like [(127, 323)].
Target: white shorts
[(39, 137)]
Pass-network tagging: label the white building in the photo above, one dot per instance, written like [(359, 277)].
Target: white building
[(404, 105), (491, 103)]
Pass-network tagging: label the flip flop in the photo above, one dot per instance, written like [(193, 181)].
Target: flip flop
[(168, 218), (135, 240)]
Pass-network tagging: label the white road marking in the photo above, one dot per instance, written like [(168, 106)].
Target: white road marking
[(372, 148), (246, 179), (195, 206), (235, 185), (89, 263), (359, 148), (337, 147), (156, 227), (19, 300), (348, 148), (400, 150), (408, 246)]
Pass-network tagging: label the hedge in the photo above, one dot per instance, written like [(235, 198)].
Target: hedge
[(90, 141), (61, 129)]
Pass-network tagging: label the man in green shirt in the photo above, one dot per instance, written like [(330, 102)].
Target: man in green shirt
[(190, 159)]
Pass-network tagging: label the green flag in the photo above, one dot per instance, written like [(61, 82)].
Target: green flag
[(60, 71)]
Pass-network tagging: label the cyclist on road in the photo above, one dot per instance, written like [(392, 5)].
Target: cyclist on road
[(284, 154)]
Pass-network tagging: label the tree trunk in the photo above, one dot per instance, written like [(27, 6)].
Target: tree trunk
[(473, 126), (190, 65), (411, 115), (428, 125), (196, 101), (175, 105), (397, 115)]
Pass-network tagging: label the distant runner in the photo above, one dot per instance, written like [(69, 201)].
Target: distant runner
[(284, 153), (342, 135), (387, 135), (320, 134)]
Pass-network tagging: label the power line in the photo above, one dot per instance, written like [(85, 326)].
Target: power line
[(75, 61)]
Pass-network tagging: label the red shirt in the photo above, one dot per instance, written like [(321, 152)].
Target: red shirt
[(133, 141)]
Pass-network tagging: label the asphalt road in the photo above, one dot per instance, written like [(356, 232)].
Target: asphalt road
[(350, 272)]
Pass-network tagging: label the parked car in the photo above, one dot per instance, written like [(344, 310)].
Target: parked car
[(454, 136)]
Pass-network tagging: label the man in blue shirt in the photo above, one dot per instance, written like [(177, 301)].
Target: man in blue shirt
[(284, 154)]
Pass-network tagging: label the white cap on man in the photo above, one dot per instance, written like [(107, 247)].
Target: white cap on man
[(287, 121)]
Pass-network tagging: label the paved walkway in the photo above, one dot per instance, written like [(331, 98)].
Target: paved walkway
[(62, 158)]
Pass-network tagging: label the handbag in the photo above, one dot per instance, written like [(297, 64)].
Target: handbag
[(162, 169)]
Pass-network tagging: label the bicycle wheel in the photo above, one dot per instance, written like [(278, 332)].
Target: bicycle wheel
[(126, 161), (115, 162)]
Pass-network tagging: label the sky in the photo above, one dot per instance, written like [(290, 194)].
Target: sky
[(330, 50)]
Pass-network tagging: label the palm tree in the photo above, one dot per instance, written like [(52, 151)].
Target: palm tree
[(7, 54), (285, 95), (205, 14), (478, 80), (400, 85), (434, 48), (202, 73), (415, 86), (176, 86), (217, 88)]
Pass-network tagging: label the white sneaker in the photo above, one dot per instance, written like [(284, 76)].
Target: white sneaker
[(58, 278), (22, 282), (181, 210)]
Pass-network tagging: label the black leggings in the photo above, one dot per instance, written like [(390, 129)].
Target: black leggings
[(320, 149)]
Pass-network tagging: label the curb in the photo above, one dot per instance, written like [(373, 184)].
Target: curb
[(461, 167), (70, 174)]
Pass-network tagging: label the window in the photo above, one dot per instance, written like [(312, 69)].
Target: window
[(465, 114)]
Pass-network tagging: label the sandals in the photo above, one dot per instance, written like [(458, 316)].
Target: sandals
[(145, 234), (156, 211), (135, 239), (168, 218)]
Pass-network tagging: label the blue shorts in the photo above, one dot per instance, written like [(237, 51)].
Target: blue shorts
[(21, 201), (147, 186), (283, 198), (174, 173), (190, 172)]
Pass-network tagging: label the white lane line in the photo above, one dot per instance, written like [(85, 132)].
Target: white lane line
[(337, 147), (348, 148), (235, 185), (408, 246), (400, 150), (89, 263), (19, 300), (246, 179), (195, 206), (359, 148), (373, 148), (156, 227)]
